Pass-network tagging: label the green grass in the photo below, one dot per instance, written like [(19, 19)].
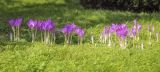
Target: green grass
[(57, 58), (38, 57)]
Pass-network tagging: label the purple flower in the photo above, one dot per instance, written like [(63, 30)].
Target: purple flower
[(11, 22), (139, 27), (66, 29), (18, 21), (135, 21), (47, 25), (39, 25), (79, 32), (133, 31), (51, 25), (69, 28), (107, 30), (113, 28), (32, 23), (122, 26), (122, 31), (73, 26), (15, 22)]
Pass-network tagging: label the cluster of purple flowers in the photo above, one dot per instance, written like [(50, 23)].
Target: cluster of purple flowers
[(70, 29), (46, 27), (134, 32), (15, 22), (110, 34), (15, 25), (120, 31)]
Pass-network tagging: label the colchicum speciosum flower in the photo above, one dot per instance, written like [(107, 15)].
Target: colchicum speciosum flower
[(15, 25)]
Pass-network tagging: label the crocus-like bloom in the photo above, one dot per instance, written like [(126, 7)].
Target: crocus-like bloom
[(139, 27), (39, 25), (80, 32), (51, 25), (66, 29), (122, 31), (113, 28), (106, 30), (135, 21), (11, 22), (136, 28), (73, 26), (122, 26), (133, 31), (69, 28), (15, 22), (32, 24), (47, 25)]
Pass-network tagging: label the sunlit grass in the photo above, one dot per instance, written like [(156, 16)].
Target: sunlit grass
[(26, 56)]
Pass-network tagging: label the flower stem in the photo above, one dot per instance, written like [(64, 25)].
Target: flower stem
[(11, 36), (92, 39), (68, 39), (70, 42), (65, 38), (142, 45), (109, 40), (45, 36), (35, 34), (54, 37), (41, 36), (14, 35), (157, 37), (81, 40), (133, 40), (48, 38), (105, 38), (150, 36), (18, 35), (32, 31)]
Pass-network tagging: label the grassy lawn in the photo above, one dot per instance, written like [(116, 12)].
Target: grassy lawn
[(25, 56)]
